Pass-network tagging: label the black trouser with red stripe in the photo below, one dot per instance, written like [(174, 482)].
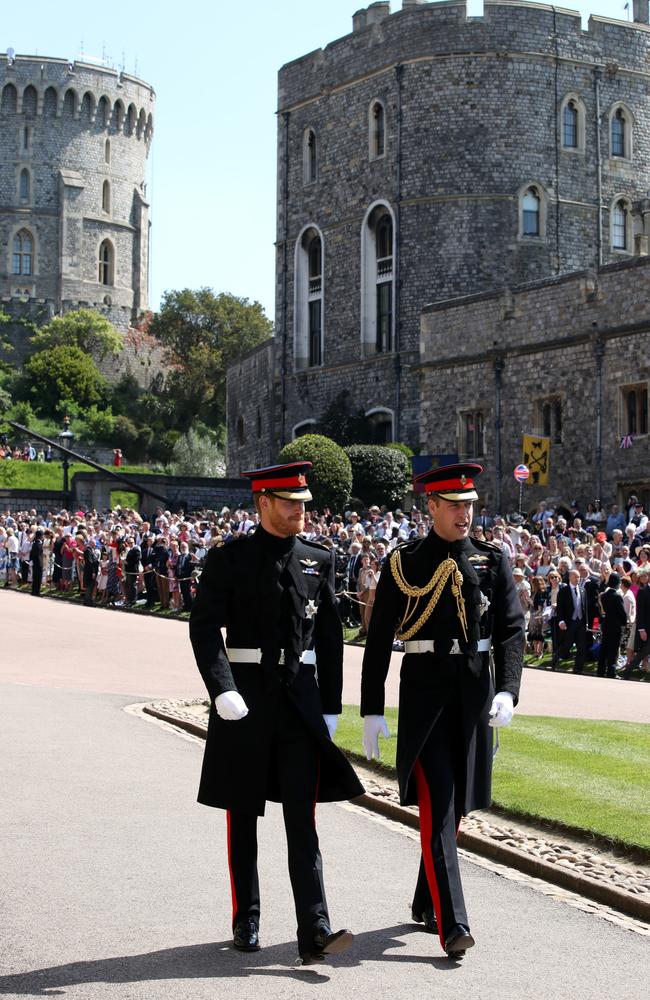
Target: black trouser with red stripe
[(294, 768), (439, 775)]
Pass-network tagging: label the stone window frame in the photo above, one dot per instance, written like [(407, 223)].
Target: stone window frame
[(310, 423), (547, 424), (641, 409), (479, 436), (579, 148), (22, 197), (379, 412), (373, 153), (112, 263), (628, 249), (542, 194), (107, 196), (25, 137), (369, 279), (18, 228), (107, 151), (304, 293), (310, 164), (628, 134)]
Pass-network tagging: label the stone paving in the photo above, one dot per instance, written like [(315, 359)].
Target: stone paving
[(587, 861)]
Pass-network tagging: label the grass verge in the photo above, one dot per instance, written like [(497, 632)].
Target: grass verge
[(593, 777), (48, 475)]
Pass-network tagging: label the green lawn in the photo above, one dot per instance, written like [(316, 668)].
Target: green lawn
[(593, 776), (47, 475)]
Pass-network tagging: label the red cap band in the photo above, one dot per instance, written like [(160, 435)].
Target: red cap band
[(288, 483), (447, 485)]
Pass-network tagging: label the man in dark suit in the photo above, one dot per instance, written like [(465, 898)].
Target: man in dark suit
[(90, 570), (589, 586), (36, 559), (449, 598), (149, 567), (271, 721), (614, 620), (571, 616)]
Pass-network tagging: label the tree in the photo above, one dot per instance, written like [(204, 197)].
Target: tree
[(83, 328), (204, 334), (197, 455), (330, 481), (61, 373), (380, 474)]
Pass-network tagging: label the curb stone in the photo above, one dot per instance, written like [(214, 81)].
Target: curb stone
[(634, 901)]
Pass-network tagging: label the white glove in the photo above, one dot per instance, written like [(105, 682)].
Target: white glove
[(331, 721), (230, 705), (502, 709), (374, 726)]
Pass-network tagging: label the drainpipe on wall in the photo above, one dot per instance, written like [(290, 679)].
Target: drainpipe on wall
[(599, 354), (498, 366), (599, 167), (398, 281), (558, 266), (285, 273)]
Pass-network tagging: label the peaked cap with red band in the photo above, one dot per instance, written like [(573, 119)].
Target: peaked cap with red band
[(451, 482), (288, 482)]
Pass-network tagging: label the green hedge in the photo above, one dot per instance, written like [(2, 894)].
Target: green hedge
[(330, 481), (380, 475)]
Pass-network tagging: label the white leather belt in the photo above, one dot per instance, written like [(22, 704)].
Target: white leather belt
[(428, 646), (237, 654)]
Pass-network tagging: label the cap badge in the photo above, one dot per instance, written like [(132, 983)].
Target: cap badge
[(463, 480), (302, 480)]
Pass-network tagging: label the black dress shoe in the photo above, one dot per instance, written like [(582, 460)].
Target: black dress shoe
[(327, 942), (426, 917), (246, 935), (458, 941)]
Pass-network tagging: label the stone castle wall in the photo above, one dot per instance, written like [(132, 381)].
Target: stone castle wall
[(472, 115)]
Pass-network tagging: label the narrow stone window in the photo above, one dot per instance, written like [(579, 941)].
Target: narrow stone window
[(27, 138), (310, 157), (531, 212), (241, 434), (618, 133), (384, 250), (106, 263), (570, 125), (23, 251), (107, 151), (472, 433), (620, 226), (635, 409), (315, 262), (548, 418), (24, 187), (308, 300), (377, 130), (106, 197)]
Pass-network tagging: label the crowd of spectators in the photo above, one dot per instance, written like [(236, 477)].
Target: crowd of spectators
[(600, 560), (27, 453)]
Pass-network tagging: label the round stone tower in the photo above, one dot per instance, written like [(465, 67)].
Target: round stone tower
[(74, 225)]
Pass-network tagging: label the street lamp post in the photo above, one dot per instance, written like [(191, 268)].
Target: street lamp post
[(65, 438)]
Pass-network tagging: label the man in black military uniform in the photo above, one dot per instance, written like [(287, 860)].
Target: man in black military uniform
[(614, 620), (271, 720), (449, 598)]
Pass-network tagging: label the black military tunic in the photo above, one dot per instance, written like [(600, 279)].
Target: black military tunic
[(275, 594), (444, 741)]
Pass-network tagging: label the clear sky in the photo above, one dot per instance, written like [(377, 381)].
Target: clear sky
[(213, 65)]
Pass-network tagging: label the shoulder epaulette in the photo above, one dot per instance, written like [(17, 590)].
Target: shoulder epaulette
[(316, 545)]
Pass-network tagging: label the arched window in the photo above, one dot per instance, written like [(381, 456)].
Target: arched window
[(69, 103), (377, 130), (106, 263), (103, 110), (23, 253), (530, 208), (9, 99), (377, 290), (380, 423), (30, 101), (570, 125), (308, 299), (621, 225), (24, 186), (620, 132), (106, 196), (309, 157), (107, 151), (50, 102)]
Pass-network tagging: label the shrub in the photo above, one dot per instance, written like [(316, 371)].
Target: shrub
[(380, 475), (330, 481)]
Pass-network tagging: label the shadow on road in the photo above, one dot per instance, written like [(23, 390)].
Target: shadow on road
[(213, 961)]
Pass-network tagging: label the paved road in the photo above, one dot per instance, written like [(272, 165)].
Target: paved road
[(142, 655), (114, 882)]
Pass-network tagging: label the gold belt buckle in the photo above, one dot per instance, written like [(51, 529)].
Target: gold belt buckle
[(455, 648)]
